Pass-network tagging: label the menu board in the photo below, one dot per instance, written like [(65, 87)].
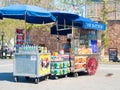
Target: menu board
[(113, 54)]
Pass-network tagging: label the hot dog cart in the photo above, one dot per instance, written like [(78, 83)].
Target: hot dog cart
[(84, 55), (85, 40)]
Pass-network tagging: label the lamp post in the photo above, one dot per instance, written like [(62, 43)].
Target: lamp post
[(2, 35)]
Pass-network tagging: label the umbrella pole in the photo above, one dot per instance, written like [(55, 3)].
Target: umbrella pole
[(25, 29), (57, 36), (73, 32)]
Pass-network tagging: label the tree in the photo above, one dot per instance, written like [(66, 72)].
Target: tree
[(9, 25), (43, 3), (106, 10), (75, 6)]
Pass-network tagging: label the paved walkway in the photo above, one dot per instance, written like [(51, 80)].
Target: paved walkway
[(6, 61)]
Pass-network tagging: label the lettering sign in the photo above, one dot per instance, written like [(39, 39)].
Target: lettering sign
[(96, 26)]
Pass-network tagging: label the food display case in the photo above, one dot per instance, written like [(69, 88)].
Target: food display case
[(60, 65), (84, 55)]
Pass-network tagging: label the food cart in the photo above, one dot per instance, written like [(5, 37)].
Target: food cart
[(85, 46), (30, 61), (84, 34), (84, 55)]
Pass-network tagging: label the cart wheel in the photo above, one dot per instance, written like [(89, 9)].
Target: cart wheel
[(36, 80), (46, 77), (16, 79), (27, 78), (75, 74), (56, 77), (92, 65)]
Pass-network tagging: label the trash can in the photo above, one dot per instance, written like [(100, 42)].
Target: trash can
[(113, 54)]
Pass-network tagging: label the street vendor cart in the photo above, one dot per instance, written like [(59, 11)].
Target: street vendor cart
[(84, 55), (85, 41), (85, 46), (30, 61)]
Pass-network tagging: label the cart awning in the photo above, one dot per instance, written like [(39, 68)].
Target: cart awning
[(68, 20), (82, 19), (29, 13), (87, 23), (64, 17), (1, 16)]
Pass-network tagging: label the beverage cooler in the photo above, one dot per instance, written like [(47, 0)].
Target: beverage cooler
[(30, 63)]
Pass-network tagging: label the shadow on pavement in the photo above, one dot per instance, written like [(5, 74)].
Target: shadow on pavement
[(6, 77), (82, 73)]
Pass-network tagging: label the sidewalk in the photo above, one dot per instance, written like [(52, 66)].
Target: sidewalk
[(106, 61), (6, 61)]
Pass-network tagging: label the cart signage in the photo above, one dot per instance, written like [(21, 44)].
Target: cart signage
[(95, 26), (94, 46), (45, 64)]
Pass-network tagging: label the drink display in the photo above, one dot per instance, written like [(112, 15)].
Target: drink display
[(19, 39), (28, 48), (60, 65)]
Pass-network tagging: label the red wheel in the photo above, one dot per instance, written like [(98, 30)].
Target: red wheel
[(92, 65)]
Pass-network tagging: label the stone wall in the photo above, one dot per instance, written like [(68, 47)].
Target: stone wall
[(114, 35), (44, 37)]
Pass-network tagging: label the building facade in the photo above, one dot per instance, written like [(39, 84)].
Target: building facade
[(93, 10)]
